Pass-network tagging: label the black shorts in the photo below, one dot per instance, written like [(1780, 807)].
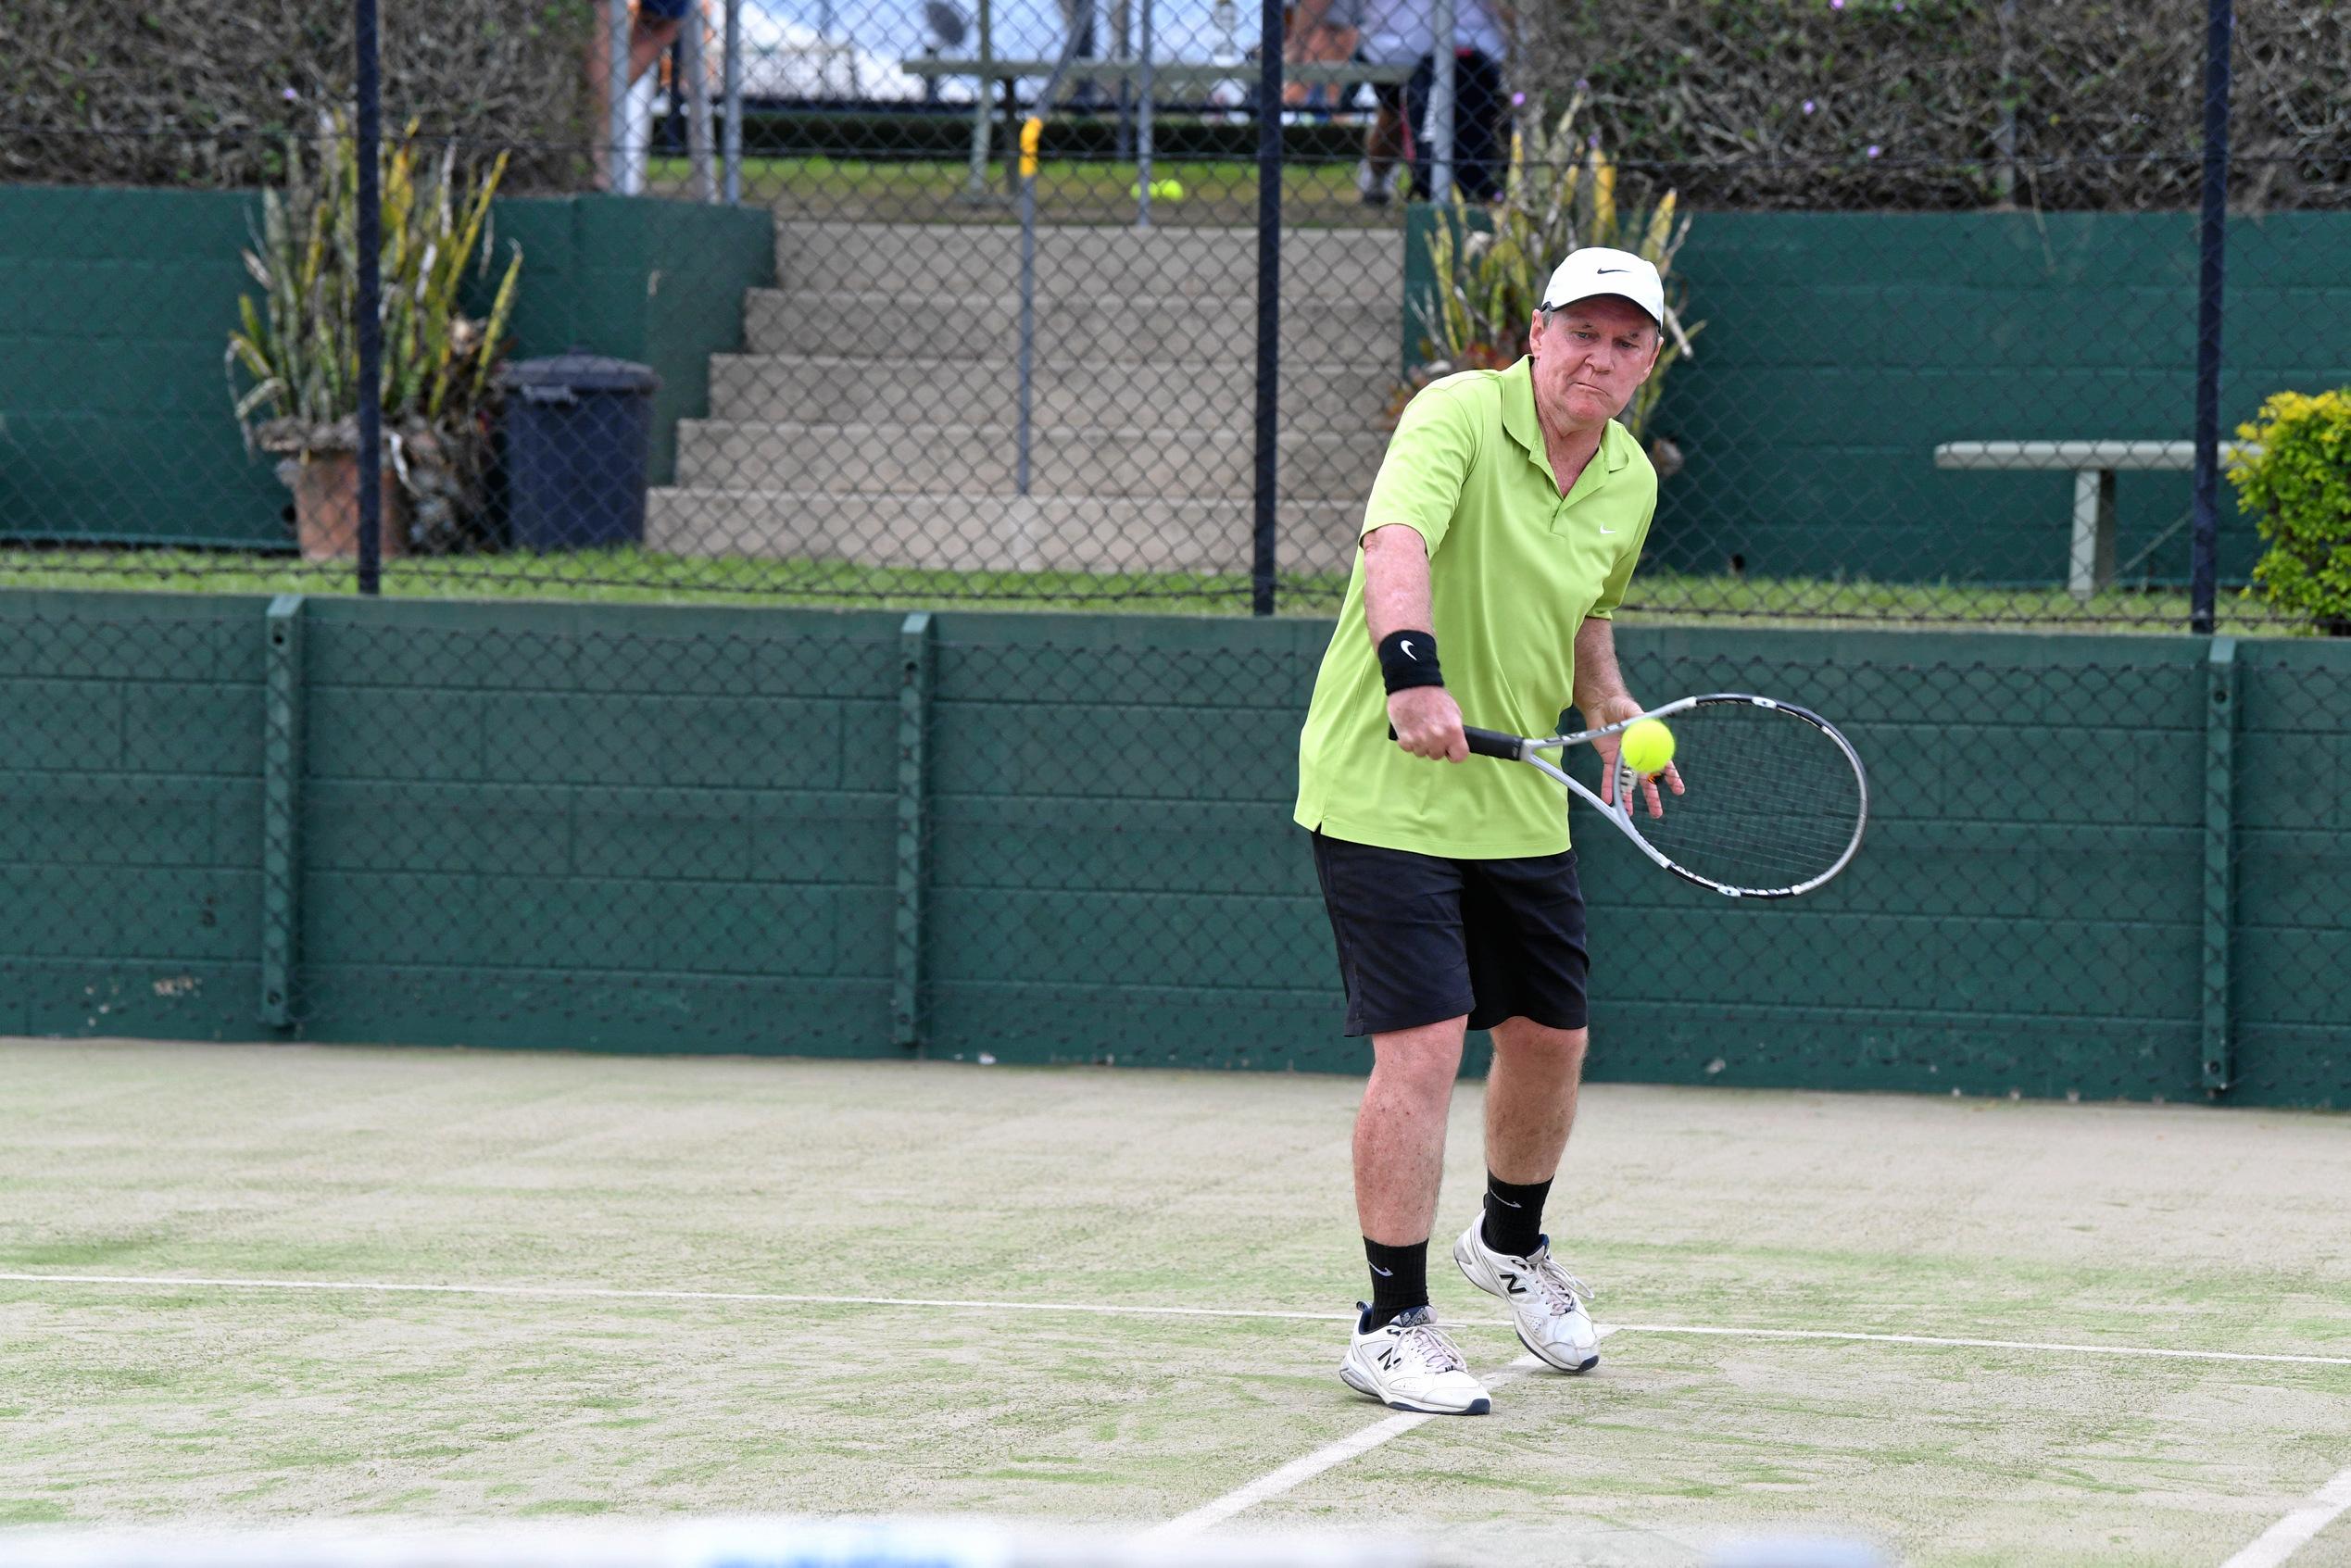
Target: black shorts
[(1422, 939)]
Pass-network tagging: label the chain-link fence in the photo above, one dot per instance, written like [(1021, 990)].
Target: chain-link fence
[(2097, 866), (1934, 354)]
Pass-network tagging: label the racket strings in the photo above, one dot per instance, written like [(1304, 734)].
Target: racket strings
[(1771, 801)]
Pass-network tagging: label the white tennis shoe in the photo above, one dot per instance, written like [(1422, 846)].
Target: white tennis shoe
[(1547, 1303), (1410, 1365)]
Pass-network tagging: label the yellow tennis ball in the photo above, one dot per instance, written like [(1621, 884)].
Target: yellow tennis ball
[(1168, 189), (1646, 745)]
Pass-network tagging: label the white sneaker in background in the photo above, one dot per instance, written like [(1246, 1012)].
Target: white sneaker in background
[(1547, 1303), (1410, 1365)]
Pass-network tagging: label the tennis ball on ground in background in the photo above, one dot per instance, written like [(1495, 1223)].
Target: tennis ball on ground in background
[(1162, 190), (1646, 745)]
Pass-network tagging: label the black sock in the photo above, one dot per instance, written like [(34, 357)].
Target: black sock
[(1399, 1280), (1515, 1215)]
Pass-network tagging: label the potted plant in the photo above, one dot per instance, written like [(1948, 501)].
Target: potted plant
[(1491, 266), (298, 348)]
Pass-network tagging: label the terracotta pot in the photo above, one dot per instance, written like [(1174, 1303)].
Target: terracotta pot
[(326, 508)]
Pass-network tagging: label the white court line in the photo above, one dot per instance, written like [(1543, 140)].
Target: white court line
[(1329, 1457), (596, 1293), (1985, 1344), (2281, 1540)]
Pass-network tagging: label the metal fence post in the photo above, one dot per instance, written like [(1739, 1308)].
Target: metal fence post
[(2220, 858), (371, 322), (1269, 307), (1442, 87), (1143, 131), (281, 808), (616, 91), (730, 148), (976, 189), (2213, 243), (694, 84), (1031, 138), (914, 644)]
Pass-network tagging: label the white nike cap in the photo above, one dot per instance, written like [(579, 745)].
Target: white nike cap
[(1595, 269)]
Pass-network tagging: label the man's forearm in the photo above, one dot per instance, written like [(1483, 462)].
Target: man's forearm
[(1599, 684), (1395, 583)]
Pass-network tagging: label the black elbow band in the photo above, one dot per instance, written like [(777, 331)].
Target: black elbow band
[(1409, 659)]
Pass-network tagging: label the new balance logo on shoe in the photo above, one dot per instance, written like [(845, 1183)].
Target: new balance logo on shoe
[(1509, 1282)]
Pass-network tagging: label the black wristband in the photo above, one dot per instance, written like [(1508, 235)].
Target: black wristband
[(1409, 659)]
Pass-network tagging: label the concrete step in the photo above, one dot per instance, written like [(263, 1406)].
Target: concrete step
[(1181, 394), (968, 532), (866, 325), (919, 260), (1063, 460)]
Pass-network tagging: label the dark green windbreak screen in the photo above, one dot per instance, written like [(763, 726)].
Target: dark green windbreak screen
[(2108, 867)]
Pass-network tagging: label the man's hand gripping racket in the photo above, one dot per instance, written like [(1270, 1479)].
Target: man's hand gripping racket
[(1774, 805)]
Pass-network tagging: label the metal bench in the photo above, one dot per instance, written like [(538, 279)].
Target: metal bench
[(987, 68), (1162, 70), (2090, 561)]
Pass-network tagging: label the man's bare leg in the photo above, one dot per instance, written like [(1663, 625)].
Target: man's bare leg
[(1530, 1105), (1383, 149), (1530, 1098), (647, 38), (1398, 1355), (1400, 1133)]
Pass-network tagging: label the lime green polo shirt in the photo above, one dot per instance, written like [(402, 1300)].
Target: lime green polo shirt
[(1515, 567)]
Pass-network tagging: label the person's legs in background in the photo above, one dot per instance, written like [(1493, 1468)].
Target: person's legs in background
[(1385, 144), (652, 29), (1480, 115), (1481, 120)]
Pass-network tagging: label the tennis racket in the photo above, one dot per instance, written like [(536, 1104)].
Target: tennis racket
[(1774, 799)]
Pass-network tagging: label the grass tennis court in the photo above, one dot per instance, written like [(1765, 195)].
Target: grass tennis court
[(1150, 1271)]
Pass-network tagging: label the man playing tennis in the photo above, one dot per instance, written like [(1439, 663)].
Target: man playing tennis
[(1503, 528)]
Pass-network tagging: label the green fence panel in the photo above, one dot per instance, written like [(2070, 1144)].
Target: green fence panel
[(130, 809), (1067, 838), (116, 306), (1840, 349)]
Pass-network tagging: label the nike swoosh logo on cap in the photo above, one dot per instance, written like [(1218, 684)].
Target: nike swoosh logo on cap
[(1604, 271)]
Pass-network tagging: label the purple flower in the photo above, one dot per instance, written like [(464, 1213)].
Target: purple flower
[(1808, 105), (1836, 4), (292, 96), (1875, 149), (1583, 84), (1517, 100)]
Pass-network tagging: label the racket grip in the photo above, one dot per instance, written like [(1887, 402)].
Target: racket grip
[(1485, 743)]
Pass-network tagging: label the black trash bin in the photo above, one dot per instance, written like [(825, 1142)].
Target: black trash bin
[(578, 427)]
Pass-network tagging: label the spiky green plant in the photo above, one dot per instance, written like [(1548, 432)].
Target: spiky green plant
[(298, 348), (1490, 268)]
